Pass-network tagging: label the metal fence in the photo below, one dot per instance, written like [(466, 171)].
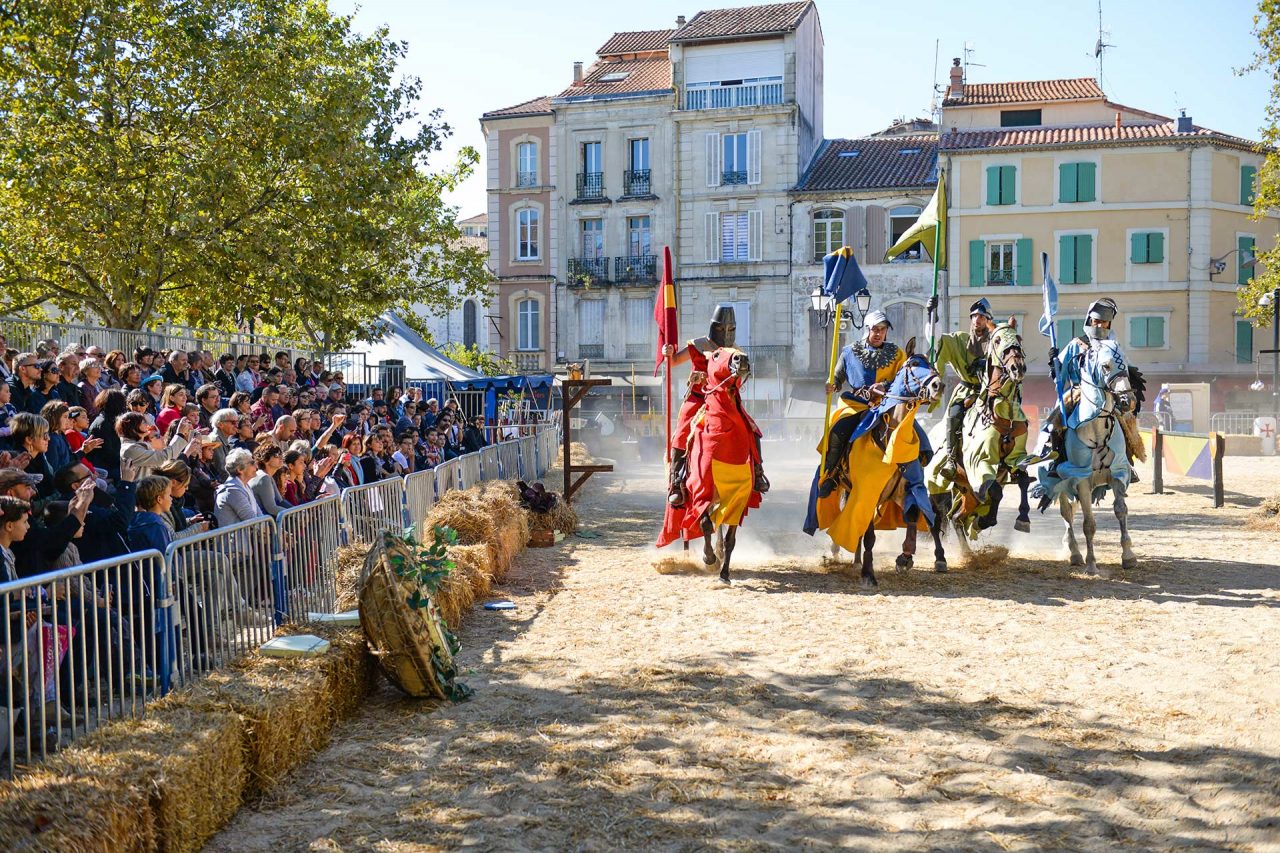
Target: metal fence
[(81, 647), (1232, 423), (95, 642)]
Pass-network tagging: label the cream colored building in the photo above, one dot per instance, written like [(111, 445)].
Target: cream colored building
[(1127, 204)]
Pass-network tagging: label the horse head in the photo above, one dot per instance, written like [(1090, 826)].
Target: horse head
[(916, 382), (1106, 383), (1006, 361)]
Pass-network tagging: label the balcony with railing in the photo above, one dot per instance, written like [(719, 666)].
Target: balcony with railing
[(584, 271), (595, 351), (637, 352), (526, 362), (733, 177), (590, 186), (635, 269), (763, 91), (526, 179), (769, 358), (999, 277), (636, 182)]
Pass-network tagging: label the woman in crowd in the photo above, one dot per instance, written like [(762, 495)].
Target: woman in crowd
[(204, 478), (130, 376), (172, 402), (209, 398), (31, 436), (90, 385), (244, 439), (248, 378), (306, 425), (42, 392), (269, 460), (59, 453), (142, 451), (374, 466), (111, 369), (289, 477), (241, 402), (235, 501), (178, 473), (106, 458), (350, 470), (139, 401)]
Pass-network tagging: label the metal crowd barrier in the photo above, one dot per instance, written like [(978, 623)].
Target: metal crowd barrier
[(309, 538), (227, 595), (420, 496), (468, 470), (489, 468), (373, 508), (529, 458), (446, 477), (81, 646), (509, 459)]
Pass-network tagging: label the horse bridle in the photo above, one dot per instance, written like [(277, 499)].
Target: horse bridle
[(912, 389)]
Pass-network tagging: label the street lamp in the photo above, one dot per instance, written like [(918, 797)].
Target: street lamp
[(825, 307), (1272, 299)]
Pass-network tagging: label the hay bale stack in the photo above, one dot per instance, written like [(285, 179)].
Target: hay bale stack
[(189, 764), (44, 811), (484, 515), (349, 667), (470, 580), (285, 707)]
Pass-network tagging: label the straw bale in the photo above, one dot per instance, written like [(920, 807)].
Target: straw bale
[(285, 706), (511, 523), (579, 455), (348, 665), (562, 517), (43, 811), (489, 516), (470, 580), (350, 563), (188, 764)]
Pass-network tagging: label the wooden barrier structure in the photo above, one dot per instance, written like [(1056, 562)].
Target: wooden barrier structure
[(1190, 454), (571, 395)]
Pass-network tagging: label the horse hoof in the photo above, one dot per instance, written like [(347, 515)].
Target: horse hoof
[(940, 566), (903, 562), (1091, 568), (868, 583), (1022, 525), (1129, 563), (724, 579), (1077, 560)]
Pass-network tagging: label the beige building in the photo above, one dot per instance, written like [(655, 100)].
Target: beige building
[(1151, 211)]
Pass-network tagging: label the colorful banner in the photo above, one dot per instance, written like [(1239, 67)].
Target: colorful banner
[(1188, 454)]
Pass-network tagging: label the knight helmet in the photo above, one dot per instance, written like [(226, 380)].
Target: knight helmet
[(724, 327), (1103, 310), (983, 307)]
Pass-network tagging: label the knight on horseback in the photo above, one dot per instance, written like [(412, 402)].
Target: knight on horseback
[(966, 353)]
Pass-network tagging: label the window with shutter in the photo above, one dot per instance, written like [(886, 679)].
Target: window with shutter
[(1001, 183), (1067, 329), (1146, 332), (755, 235), (591, 328), (1146, 247), (713, 159), (828, 232), (753, 157), (1067, 182), (977, 268), (711, 237), (735, 236), (1244, 270), (1244, 342), (1247, 176), (1024, 265), (1075, 259)]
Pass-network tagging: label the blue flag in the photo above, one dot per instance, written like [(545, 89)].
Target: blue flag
[(843, 277), (1050, 303)]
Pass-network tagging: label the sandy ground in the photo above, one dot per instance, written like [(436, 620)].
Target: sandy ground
[(1015, 706)]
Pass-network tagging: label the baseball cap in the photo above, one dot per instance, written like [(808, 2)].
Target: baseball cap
[(155, 377), (10, 477)]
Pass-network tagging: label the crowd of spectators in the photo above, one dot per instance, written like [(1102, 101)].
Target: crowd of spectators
[(102, 454)]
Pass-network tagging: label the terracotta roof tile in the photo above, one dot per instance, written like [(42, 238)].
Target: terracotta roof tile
[(532, 107), (873, 163), (640, 75), (1025, 137), (1027, 91), (743, 21), (636, 41)]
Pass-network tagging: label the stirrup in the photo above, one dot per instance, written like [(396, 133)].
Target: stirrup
[(675, 498), (828, 485), (760, 481)]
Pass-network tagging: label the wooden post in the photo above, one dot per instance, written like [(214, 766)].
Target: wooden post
[(571, 393), (1157, 460), (1217, 449)]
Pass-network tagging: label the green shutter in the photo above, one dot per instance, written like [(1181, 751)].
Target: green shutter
[(1008, 180), (1137, 331), (1084, 258), (1023, 260), (1243, 273), (993, 185), (1067, 260), (1086, 180), (977, 252), (1247, 175), (1138, 248), (1244, 342), (1067, 183), (1155, 248), (1155, 332)]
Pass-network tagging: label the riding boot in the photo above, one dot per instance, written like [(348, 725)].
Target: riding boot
[(679, 471), (837, 447), (953, 452)]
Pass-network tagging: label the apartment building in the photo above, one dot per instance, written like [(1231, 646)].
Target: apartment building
[(1150, 210), (468, 322)]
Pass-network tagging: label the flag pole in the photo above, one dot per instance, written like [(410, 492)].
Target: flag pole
[(933, 326), (831, 380)]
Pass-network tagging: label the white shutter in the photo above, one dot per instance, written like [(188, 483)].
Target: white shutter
[(753, 157), (755, 234), (639, 313), (591, 321), (713, 159), (713, 238)]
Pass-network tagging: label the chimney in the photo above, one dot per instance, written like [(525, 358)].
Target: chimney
[(679, 21), (956, 90), (1184, 122), (577, 73), (1117, 119)]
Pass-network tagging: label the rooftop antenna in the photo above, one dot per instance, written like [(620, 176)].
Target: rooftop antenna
[(969, 51), (1101, 46)]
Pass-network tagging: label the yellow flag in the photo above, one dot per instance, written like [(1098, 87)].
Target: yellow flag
[(925, 229)]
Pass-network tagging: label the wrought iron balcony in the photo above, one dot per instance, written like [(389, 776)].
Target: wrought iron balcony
[(585, 270), (595, 351), (636, 182), (999, 276), (772, 358), (635, 268), (638, 352), (526, 179), (590, 185), (733, 177), (748, 93)]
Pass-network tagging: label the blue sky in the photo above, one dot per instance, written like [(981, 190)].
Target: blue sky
[(474, 57)]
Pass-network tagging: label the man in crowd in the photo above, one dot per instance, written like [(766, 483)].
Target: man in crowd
[(68, 388), (25, 396), (263, 410)]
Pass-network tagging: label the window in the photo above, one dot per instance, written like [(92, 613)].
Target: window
[(1076, 182), (592, 238), (527, 235), (592, 162), (529, 325), (639, 239), (734, 158), (1075, 259), (527, 164), (639, 154), (733, 236), (1001, 182), (1244, 342), (901, 219), (591, 328), (469, 323), (828, 232), (635, 181), (1019, 118), (1244, 269), (1248, 174), (1068, 329), (1146, 247), (1000, 262), (641, 330), (1146, 332)]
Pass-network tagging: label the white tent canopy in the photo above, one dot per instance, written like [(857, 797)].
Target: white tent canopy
[(421, 360)]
